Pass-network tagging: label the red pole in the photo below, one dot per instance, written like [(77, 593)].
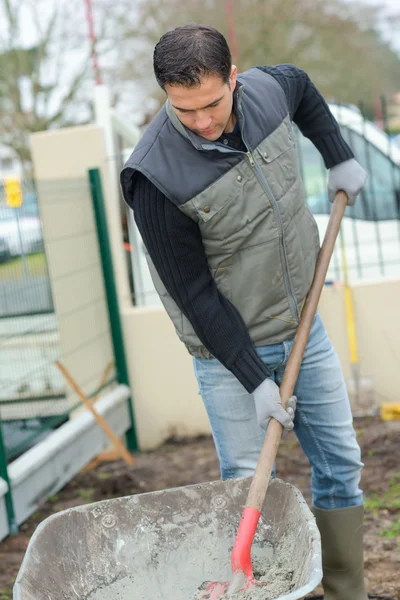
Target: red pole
[(92, 37), (232, 39)]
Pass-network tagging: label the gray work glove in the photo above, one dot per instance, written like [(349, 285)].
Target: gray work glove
[(349, 177), (268, 404)]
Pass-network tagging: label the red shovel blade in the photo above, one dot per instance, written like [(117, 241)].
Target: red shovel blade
[(242, 570), (243, 578)]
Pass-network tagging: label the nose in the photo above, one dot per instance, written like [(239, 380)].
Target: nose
[(203, 122)]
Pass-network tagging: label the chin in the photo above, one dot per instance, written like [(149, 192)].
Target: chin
[(212, 137), (215, 135)]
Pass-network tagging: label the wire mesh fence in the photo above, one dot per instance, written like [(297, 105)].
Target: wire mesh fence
[(31, 389), (29, 341), (24, 280), (34, 398)]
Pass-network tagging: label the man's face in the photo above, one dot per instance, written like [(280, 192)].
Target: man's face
[(205, 109)]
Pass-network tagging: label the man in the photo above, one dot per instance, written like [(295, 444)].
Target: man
[(217, 196)]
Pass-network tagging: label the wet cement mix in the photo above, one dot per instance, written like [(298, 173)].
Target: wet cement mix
[(179, 463), (277, 577)]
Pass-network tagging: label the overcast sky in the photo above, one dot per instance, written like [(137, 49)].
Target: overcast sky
[(392, 7)]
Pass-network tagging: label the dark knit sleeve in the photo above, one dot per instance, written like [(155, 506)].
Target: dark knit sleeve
[(174, 244), (311, 113)]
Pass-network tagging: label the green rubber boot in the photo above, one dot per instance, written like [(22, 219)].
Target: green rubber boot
[(342, 552)]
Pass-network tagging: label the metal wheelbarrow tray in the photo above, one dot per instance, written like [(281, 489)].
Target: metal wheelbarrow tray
[(163, 545)]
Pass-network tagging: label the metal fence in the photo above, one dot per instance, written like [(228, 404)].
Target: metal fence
[(24, 281), (34, 398), (29, 342)]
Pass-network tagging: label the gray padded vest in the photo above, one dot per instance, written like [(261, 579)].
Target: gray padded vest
[(260, 238)]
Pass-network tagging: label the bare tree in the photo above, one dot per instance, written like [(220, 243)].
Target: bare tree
[(45, 68), (336, 42)]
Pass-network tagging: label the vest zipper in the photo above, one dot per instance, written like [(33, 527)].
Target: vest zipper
[(251, 159), (268, 192)]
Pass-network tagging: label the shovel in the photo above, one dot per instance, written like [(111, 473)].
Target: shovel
[(242, 570)]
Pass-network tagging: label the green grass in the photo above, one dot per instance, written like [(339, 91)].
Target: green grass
[(37, 515), (5, 594), (389, 499), (393, 532), (87, 494), (14, 269)]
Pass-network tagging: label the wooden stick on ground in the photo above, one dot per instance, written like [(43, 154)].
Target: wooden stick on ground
[(122, 451), (103, 380)]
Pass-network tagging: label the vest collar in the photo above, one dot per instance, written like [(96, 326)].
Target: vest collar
[(197, 141)]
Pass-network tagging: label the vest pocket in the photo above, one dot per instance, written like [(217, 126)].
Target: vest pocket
[(277, 142), (277, 158), (209, 204)]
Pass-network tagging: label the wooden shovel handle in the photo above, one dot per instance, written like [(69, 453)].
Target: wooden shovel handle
[(261, 478)]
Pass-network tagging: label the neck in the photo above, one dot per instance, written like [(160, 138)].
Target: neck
[(230, 126)]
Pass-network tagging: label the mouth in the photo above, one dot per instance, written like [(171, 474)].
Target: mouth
[(207, 132)]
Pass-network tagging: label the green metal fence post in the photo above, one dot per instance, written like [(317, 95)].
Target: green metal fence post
[(111, 293), (12, 523)]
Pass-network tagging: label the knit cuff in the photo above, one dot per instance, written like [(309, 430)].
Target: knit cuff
[(250, 370), (333, 149)]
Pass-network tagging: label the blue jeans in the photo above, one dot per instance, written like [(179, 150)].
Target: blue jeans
[(323, 422)]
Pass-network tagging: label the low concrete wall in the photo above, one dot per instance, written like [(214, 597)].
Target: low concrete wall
[(46, 468), (164, 388)]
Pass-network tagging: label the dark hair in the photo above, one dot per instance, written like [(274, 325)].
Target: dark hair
[(186, 54)]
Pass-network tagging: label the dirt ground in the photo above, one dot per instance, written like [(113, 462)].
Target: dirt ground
[(179, 463)]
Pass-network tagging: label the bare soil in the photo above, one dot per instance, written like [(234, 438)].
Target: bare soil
[(183, 462)]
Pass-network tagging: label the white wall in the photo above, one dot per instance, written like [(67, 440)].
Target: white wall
[(61, 161)]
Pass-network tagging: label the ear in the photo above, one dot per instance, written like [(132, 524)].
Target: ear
[(232, 78)]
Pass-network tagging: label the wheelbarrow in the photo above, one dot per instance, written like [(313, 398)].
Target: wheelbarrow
[(163, 545)]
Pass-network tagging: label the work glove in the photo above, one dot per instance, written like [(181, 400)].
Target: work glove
[(269, 404), (349, 177)]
